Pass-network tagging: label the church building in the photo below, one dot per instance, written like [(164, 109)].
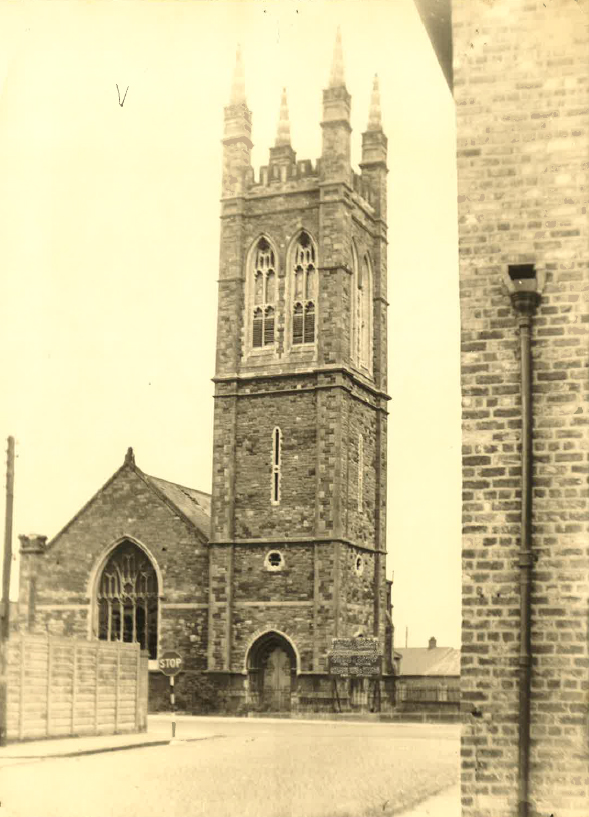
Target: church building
[(252, 583)]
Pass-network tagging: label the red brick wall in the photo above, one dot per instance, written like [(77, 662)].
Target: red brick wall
[(521, 84)]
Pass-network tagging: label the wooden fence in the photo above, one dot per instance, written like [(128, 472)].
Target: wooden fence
[(64, 686)]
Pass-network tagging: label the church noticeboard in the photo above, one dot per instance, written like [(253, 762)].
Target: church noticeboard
[(356, 644), (355, 658), (355, 665)]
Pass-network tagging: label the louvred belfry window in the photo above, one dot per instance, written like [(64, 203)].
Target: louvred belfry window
[(304, 291), (128, 599), (264, 271)]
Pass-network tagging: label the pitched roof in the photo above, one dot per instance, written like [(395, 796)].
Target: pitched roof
[(429, 661), (195, 505)]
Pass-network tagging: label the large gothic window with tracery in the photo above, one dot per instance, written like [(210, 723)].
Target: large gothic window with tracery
[(127, 598), (304, 291), (264, 285)]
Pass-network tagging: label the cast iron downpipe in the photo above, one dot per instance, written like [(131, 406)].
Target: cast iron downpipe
[(525, 301)]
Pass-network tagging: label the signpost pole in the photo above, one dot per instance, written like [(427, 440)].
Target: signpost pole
[(5, 594), (171, 663), (173, 705)]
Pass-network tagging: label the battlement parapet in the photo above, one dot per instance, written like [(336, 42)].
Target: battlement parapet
[(362, 188), (277, 174), (273, 176)]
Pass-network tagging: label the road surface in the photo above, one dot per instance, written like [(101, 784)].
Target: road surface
[(244, 768)]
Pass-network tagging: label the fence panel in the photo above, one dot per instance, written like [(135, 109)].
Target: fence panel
[(63, 686)]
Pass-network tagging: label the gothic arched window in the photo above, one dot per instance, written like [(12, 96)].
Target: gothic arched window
[(304, 302), (361, 303), (127, 598), (366, 316), (264, 290)]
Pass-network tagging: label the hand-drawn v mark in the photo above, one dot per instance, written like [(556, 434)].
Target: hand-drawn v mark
[(119, 93)]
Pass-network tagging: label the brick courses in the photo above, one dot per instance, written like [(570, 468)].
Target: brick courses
[(521, 86)]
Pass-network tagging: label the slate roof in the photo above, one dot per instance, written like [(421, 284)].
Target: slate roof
[(195, 505), (425, 661)]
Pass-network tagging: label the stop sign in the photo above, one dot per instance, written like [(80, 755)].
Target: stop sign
[(170, 662)]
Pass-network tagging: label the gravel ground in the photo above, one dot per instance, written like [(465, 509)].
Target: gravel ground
[(250, 769)]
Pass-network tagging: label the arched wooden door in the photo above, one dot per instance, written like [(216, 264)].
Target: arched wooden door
[(276, 681), (272, 672)]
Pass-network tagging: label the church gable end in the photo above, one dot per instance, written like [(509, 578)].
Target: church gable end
[(62, 586)]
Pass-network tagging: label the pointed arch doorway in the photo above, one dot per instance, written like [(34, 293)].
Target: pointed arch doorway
[(272, 670)]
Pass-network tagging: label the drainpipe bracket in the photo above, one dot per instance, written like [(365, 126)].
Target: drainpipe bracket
[(525, 302), (526, 558)]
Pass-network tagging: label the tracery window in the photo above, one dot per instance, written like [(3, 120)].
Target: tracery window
[(304, 291), (128, 598), (264, 289)]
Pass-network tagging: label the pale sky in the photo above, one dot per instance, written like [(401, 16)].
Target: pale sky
[(109, 247)]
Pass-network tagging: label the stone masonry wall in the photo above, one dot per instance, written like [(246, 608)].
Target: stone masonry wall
[(255, 515), (284, 601), (521, 81), (308, 392), (360, 419)]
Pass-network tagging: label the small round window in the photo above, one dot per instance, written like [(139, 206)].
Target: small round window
[(274, 561), (358, 565)]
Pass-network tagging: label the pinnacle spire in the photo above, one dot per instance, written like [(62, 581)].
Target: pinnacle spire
[(336, 79), (283, 132), (238, 86), (374, 114)]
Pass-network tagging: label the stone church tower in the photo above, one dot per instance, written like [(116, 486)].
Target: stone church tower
[(297, 548), (252, 584)]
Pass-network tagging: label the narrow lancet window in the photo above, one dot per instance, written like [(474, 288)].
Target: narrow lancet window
[(264, 273), (304, 291), (276, 463), (362, 315), (366, 312), (360, 471)]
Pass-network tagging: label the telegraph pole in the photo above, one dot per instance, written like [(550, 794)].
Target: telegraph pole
[(5, 609)]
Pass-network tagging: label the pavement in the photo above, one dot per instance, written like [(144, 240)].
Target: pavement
[(186, 730), (444, 804), (159, 733)]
